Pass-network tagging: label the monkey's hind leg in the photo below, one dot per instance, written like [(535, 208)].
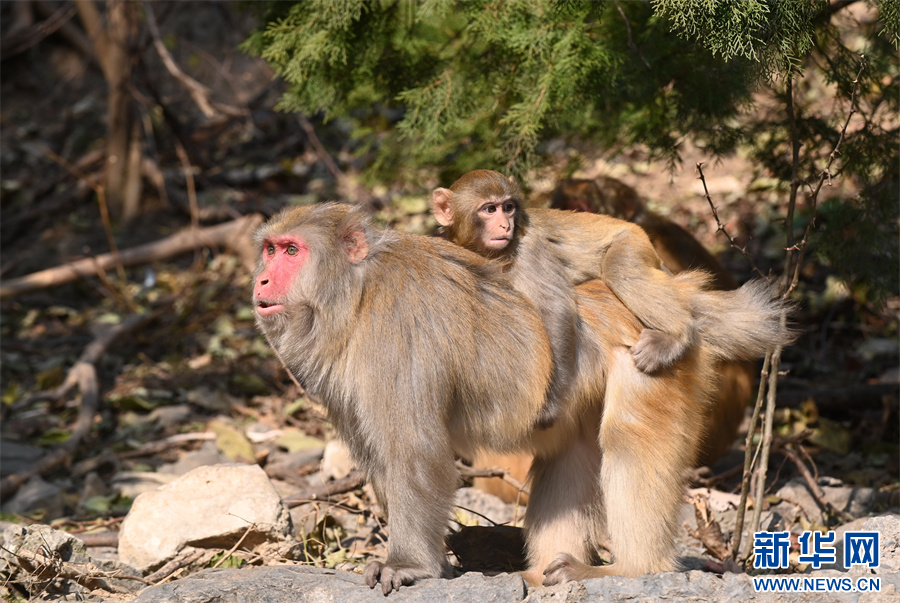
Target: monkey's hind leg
[(649, 434), (564, 512)]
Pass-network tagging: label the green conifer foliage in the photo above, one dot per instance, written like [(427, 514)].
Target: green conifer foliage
[(481, 82)]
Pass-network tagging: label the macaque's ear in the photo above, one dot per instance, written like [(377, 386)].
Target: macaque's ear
[(353, 238), (440, 205)]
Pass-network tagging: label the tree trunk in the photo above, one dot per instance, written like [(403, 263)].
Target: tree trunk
[(112, 45)]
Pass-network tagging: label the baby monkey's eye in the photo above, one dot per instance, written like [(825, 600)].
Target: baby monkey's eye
[(489, 208), (509, 207)]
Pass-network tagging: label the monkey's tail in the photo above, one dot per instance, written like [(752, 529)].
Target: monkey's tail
[(745, 323)]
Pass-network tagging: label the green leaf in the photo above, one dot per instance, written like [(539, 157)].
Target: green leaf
[(294, 440), (232, 442)]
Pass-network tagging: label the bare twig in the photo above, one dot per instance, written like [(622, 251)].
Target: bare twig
[(69, 31), (21, 40), (768, 425), (631, 43), (235, 547), (794, 260), (811, 482), (721, 227), (184, 559), (339, 486), (199, 93), (323, 154), (467, 471), (826, 174), (749, 461)]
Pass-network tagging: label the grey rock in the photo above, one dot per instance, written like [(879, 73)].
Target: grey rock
[(208, 507), (855, 501), (888, 526), (18, 457), (699, 586), (298, 584), (34, 495)]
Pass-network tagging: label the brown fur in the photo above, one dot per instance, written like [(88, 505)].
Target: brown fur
[(679, 251), (421, 351)]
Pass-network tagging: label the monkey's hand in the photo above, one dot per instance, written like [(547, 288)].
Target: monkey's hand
[(656, 350), (393, 576)]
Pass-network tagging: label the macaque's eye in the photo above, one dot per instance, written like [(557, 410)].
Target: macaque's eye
[(489, 208), (509, 207), (270, 250), (292, 250)]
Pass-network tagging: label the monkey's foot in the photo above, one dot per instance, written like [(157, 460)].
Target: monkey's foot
[(392, 576), (565, 568), (657, 350)]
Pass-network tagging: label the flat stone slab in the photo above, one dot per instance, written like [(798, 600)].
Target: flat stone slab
[(300, 584)]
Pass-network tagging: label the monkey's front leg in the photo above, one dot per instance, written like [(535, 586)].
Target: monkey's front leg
[(418, 501), (394, 575)]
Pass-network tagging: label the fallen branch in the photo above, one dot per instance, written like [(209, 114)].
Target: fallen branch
[(221, 235), (183, 560), (199, 93), (82, 375), (88, 575), (339, 486), (179, 439), (98, 539), (467, 471)]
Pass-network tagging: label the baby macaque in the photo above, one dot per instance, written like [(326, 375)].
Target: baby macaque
[(548, 252)]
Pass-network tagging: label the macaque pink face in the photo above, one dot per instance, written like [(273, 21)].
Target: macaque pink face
[(283, 256), (499, 224)]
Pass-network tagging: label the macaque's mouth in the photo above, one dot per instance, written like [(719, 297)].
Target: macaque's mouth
[(499, 242), (264, 308)]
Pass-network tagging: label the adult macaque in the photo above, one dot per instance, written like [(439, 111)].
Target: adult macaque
[(409, 342), (422, 351), (679, 251)]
